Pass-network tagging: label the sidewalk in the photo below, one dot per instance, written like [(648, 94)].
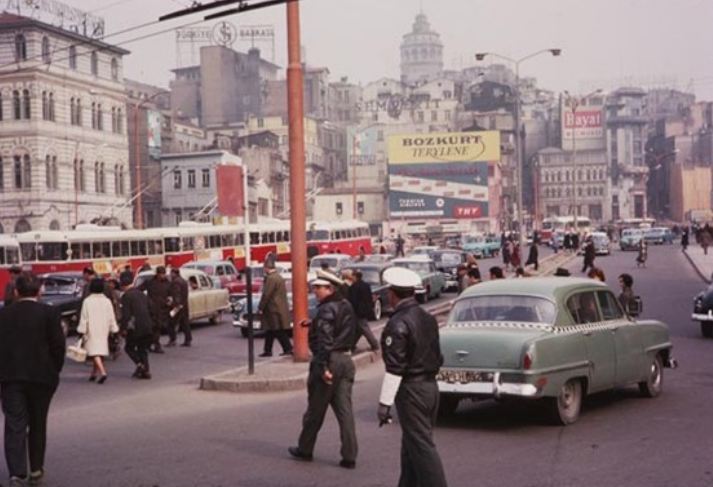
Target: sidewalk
[(282, 374), (702, 264)]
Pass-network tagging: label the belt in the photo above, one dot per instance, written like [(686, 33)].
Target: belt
[(419, 378)]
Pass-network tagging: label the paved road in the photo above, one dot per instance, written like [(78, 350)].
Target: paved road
[(167, 433)]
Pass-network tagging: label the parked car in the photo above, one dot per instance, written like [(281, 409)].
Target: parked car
[(424, 250), (557, 239), (257, 277), (447, 261), (703, 311), (432, 279), (482, 246), (658, 236), (378, 258), (602, 245), (204, 302), (630, 238), (240, 309), (336, 262), (63, 291), (373, 274), (554, 339), (222, 272)]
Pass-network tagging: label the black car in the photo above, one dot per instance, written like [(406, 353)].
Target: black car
[(703, 311), (64, 291), (447, 262), (374, 275)]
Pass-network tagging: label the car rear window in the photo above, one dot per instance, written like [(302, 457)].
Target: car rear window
[(527, 309)]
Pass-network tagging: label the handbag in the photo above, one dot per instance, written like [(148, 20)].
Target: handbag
[(77, 352)]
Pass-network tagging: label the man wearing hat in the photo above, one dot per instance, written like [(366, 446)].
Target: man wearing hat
[(158, 291), (331, 371), (9, 297), (275, 309), (136, 325), (178, 291), (412, 356)]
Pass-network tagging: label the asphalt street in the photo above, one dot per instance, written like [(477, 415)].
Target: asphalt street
[(167, 433)]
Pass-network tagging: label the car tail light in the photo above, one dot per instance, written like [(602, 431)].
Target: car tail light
[(527, 361)]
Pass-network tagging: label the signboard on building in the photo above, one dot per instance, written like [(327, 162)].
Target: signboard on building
[(583, 126), (441, 175), (153, 132), (229, 178), (363, 145)]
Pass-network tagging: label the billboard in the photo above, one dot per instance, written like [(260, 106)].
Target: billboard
[(229, 179), (153, 132), (363, 146), (441, 175), (585, 125)]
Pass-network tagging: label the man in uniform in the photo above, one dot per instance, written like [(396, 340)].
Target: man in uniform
[(157, 290), (179, 309), (412, 356), (331, 371)]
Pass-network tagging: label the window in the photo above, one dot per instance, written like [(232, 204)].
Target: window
[(338, 208), (119, 121), (95, 64), (583, 308), (434, 116), (114, 69), (448, 115), (46, 50), (191, 178), (94, 115), (26, 104), (177, 182), (51, 107), (97, 185), (17, 105), (122, 187), (72, 57), (102, 178), (205, 174), (116, 179), (20, 48), (360, 207), (609, 306), (113, 119), (420, 117), (48, 171), (45, 106), (100, 117)]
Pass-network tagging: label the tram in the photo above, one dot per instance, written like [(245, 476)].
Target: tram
[(9, 257)]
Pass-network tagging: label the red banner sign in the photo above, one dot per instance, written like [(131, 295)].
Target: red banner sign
[(229, 179)]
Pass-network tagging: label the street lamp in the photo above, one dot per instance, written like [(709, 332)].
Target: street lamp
[(479, 57), (574, 103)]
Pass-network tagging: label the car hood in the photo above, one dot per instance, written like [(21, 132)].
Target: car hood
[(484, 346)]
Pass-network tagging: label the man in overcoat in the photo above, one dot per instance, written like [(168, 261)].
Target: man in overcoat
[(178, 290), (274, 310)]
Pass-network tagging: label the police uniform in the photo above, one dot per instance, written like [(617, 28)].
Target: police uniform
[(331, 337), (412, 356)]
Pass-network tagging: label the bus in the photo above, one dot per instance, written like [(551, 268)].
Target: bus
[(9, 257), (108, 251), (553, 224)]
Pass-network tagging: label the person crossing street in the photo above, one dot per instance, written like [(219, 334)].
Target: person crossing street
[(412, 357), (179, 316), (362, 301)]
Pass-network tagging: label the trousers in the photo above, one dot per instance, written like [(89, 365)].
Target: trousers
[(25, 405), (137, 348), (180, 322), (338, 395), (417, 407), (281, 336), (363, 329)]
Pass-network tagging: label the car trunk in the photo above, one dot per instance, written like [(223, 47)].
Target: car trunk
[(486, 347)]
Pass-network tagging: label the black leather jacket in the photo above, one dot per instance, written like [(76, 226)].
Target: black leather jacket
[(332, 330), (410, 345)]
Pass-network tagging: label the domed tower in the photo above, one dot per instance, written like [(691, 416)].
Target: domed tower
[(421, 52)]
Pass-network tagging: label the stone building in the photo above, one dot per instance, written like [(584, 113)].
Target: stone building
[(421, 53), (63, 142)]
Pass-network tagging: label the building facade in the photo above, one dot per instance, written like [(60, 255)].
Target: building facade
[(63, 142), (421, 53)]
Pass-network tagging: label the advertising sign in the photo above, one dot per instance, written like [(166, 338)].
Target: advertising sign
[(583, 126), (363, 146), (230, 190), (153, 132), (441, 175)]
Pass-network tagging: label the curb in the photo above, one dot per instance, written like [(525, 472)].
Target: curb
[(706, 279)]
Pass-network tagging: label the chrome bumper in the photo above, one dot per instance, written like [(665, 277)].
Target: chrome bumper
[(495, 388)]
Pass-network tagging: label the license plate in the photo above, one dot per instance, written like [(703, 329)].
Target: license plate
[(464, 376)]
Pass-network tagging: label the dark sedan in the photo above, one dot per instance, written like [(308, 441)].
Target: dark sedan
[(63, 291), (373, 274), (447, 261)]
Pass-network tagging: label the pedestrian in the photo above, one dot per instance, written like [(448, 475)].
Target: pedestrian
[(88, 275), (126, 273), (412, 358), (275, 310), (158, 290), (462, 277), (136, 326), (470, 261), (684, 239), (362, 300), (589, 254), (706, 238), (575, 241), (473, 277), (506, 249), (642, 254), (180, 312), (31, 357), (626, 297), (533, 256), (496, 272), (96, 322), (331, 371), (9, 297), (567, 241), (515, 258), (596, 273), (362, 254), (113, 292), (399, 246)]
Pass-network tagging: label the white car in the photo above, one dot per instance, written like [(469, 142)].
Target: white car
[(206, 301)]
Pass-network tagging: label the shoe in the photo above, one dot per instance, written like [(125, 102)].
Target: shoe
[(265, 354), (17, 482), (145, 375), (285, 354), (170, 344), (298, 454), (186, 344), (92, 378), (102, 379), (37, 476), (347, 464)]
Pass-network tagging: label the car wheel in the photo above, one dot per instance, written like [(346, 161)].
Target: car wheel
[(653, 385), (707, 329), (377, 309), (564, 409), (447, 405)]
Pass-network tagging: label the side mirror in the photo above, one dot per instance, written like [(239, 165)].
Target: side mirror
[(635, 307)]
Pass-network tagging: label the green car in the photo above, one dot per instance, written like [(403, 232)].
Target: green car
[(555, 339), (482, 247), (434, 282)]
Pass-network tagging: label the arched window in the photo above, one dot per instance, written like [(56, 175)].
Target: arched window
[(95, 64), (97, 184), (72, 57), (55, 173), (17, 105), (114, 69), (79, 112), (102, 178), (51, 107), (20, 48), (122, 187), (22, 226), (46, 49), (119, 121), (17, 171), (48, 171), (54, 225), (26, 106), (100, 117), (94, 115), (45, 106), (113, 119), (82, 177), (26, 171)]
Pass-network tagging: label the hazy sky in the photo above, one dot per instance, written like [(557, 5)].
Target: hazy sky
[(605, 42)]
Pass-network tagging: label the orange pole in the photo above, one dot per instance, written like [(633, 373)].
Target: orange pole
[(298, 217)]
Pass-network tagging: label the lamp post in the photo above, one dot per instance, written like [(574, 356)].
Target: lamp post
[(137, 155), (518, 131), (574, 103)]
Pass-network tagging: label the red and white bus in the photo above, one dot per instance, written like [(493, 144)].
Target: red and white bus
[(108, 251), (9, 257)]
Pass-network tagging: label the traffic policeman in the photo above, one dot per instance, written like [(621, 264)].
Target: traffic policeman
[(412, 356), (331, 371)]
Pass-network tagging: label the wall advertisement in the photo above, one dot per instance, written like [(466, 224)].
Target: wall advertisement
[(153, 132), (441, 175), (583, 126)]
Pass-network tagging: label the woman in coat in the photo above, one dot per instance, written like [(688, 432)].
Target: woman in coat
[(96, 322)]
